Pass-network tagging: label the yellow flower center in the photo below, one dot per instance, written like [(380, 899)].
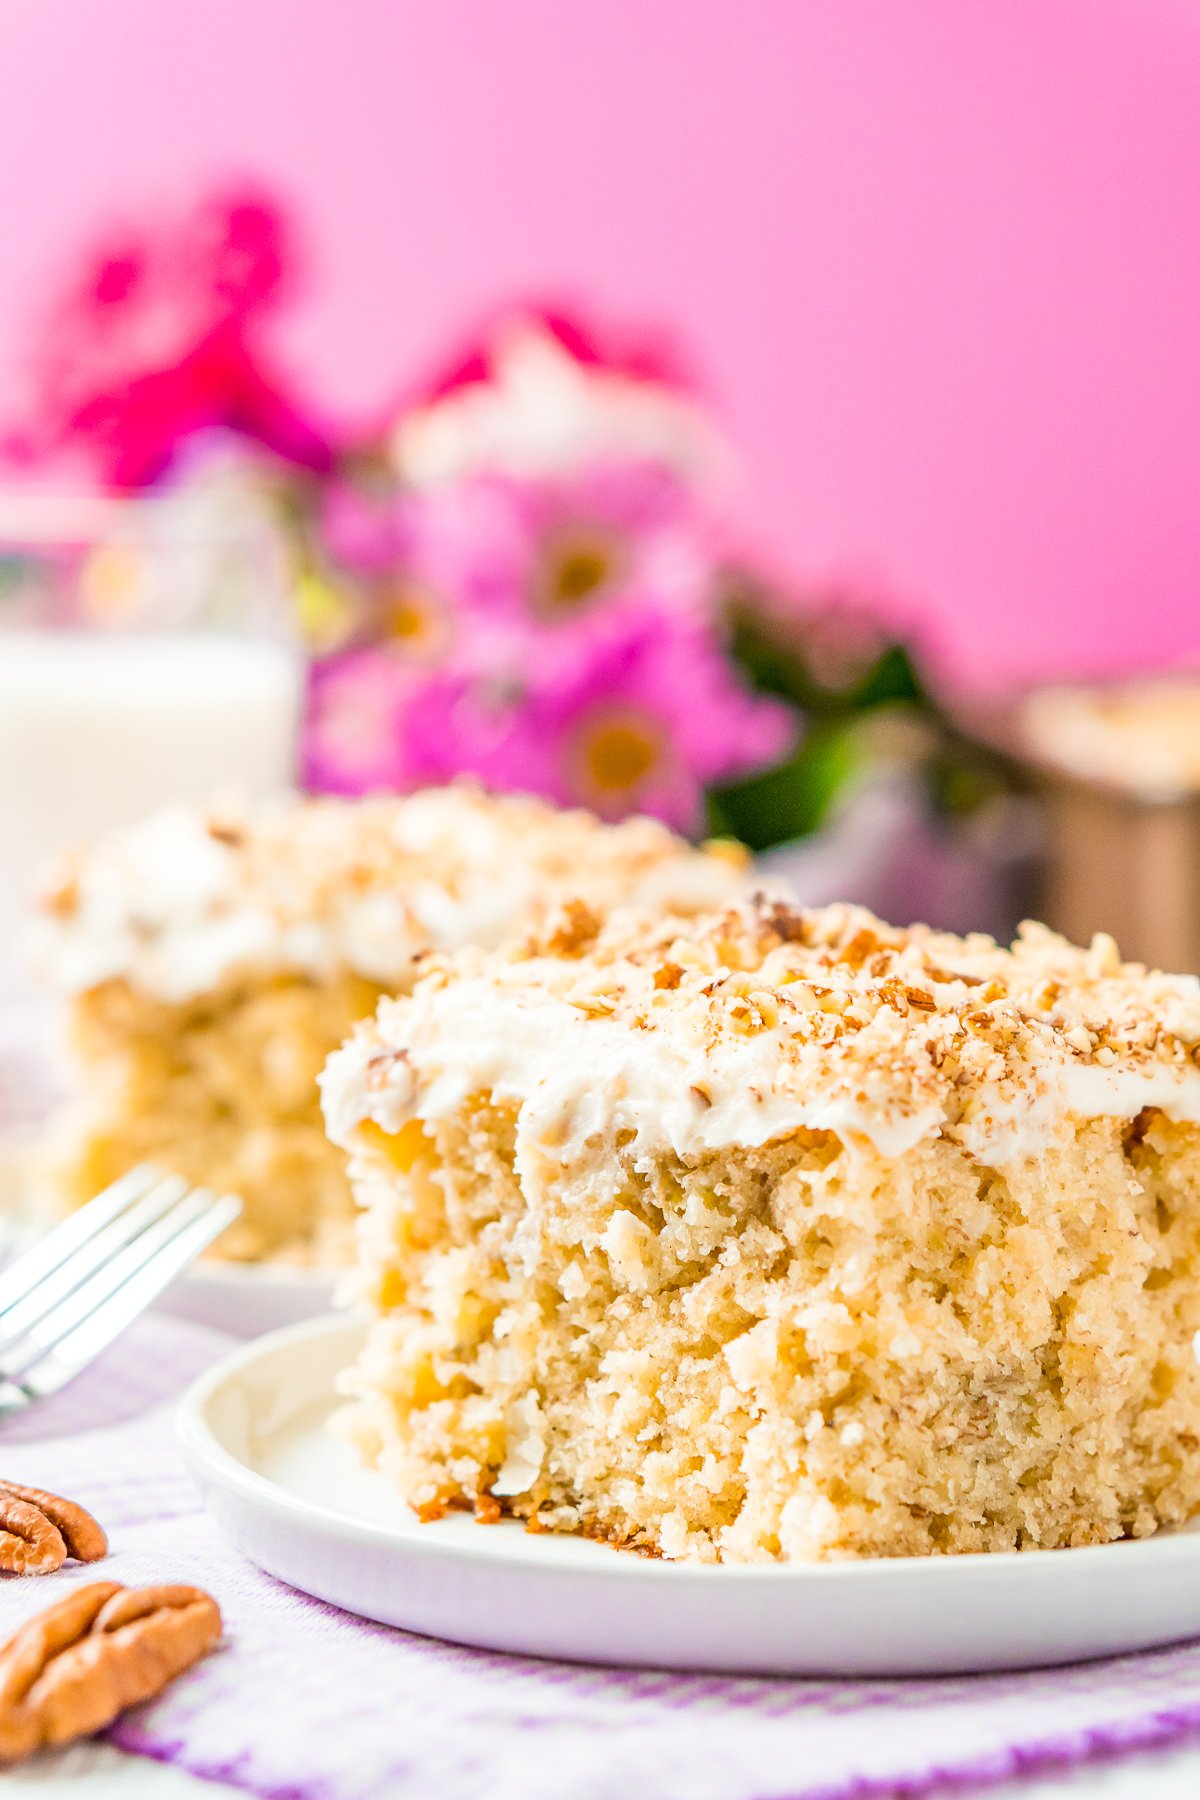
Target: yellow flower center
[(413, 621), (576, 568), (616, 755)]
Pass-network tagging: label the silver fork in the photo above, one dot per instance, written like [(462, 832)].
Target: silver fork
[(68, 1297)]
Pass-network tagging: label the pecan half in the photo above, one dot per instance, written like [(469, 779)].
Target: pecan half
[(27, 1547), (71, 1670), (30, 1543)]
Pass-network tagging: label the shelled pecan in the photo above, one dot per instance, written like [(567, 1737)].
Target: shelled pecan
[(71, 1670), (38, 1531)]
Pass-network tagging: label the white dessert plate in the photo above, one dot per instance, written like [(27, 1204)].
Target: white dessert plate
[(247, 1299), (293, 1498)]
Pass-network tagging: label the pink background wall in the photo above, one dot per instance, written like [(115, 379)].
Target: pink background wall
[(938, 260)]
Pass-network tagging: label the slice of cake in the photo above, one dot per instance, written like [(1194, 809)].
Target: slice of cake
[(215, 959), (782, 1235)]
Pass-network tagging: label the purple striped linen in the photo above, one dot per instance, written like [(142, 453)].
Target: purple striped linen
[(306, 1702)]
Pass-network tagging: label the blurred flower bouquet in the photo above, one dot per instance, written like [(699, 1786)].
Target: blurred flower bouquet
[(521, 574), (558, 634)]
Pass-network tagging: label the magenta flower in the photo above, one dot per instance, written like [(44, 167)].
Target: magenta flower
[(503, 556), (656, 716), (555, 558), (160, 337), (651, 721), (588, 539), (354, 736), (359, 529), (556, 636)]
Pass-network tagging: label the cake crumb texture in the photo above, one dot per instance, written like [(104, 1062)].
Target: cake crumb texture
[(213, 957), (796, 1343)]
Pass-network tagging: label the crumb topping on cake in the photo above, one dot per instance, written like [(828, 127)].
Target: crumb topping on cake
[(184, 899), (746, 1025)]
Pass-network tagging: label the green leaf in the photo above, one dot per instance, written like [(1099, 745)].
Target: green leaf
[(792, 799)]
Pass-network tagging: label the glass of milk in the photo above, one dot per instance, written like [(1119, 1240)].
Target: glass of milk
[(97, 729)]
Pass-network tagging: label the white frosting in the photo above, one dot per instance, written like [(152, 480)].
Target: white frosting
[(578, 1078), (178, 902), (670, 1069)]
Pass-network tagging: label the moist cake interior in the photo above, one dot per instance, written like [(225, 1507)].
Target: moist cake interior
[(222, 1089), (782, 1235)]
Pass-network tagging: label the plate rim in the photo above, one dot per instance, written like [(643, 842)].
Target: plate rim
[(211, 1463), (268, 1274)]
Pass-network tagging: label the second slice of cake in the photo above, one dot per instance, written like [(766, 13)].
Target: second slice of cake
[(213, 959), (782, 1235)]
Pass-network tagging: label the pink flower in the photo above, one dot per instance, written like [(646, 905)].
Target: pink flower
[(612, 528), (503, 557), (359, 529), (555, 636), (354, 736), (656, 718), (652, 720), (555, 558), (160, 337)]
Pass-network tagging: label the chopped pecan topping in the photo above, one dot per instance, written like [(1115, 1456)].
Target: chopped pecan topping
[(893, 993), (863, 945), (572, 928), (38, 1531), (71, 1670), (787, 922)]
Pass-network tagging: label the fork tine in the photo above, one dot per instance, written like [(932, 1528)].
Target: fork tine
[(54, 1364), (88, 1258), (72, 1234), (106, 1279)]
